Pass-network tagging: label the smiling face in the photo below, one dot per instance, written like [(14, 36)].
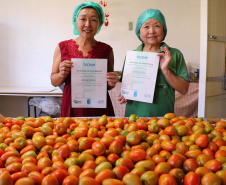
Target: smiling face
[(87, 22), (151, 32)]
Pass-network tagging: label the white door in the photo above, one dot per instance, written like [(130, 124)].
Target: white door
[(212, 93)]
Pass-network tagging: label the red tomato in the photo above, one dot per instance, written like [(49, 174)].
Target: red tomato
[(175, 161), (98, 148), (112, 158), (27, 148), (192, 179), (202, 140), (120, 171), (190, 165), (64, 151), (104, 174), (60, 174)]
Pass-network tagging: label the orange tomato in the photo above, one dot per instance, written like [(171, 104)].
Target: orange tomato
[(112, 182), (47, 170), (178, 174), (59, 165), (88, 181), (36, 177), (50, 180), (133, 138), (158, 159), (5, 178), (29, 167), (131, 179), (14, 167), (116, 147), (18, 175), (60, 174), (167, 145), (213, 165), (44, 162), (104, 174), (162, 168), (24, 180), (125, 162), (88, 173), (210, 178), (167, 179), (70, 180), (201, 171), (202, 140), (137, 155)]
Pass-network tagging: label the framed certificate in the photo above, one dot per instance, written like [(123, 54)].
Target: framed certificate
[(139, 76), (89, 83)]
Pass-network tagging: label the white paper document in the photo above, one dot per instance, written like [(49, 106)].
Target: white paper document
[(89, 83), (139, 76)]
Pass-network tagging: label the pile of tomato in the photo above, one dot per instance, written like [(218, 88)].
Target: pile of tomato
[(112, 151)]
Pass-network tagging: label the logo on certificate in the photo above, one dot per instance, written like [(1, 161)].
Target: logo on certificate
[(88, 101), (77, 101), (135, 94)]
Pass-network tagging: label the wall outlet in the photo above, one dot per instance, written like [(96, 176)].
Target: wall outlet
[(130, 26)]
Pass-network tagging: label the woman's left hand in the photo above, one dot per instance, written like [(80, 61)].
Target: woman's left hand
[(112, 78), (165, 58)]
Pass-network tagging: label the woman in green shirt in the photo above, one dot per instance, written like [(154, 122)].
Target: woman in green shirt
[(172, 72)]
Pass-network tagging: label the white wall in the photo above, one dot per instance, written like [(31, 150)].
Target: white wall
[(30, 31)]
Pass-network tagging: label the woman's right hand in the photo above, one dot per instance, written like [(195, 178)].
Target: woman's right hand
[(121, 99), (65, 68)]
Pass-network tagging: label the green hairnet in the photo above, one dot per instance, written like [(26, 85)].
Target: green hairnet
[(80, 6), (150, 13)]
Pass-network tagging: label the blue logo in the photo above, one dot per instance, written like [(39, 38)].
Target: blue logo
[(142, 57), (88, 101), (135, 94)]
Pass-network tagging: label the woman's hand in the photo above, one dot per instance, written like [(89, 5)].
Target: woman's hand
[(121, 99), (164, 59), (112, 79), (65, 68)]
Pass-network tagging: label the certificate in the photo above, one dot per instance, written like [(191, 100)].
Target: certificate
[(139, 76), (89, 83)]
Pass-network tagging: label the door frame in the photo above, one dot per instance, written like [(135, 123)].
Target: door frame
[(203, 57)]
